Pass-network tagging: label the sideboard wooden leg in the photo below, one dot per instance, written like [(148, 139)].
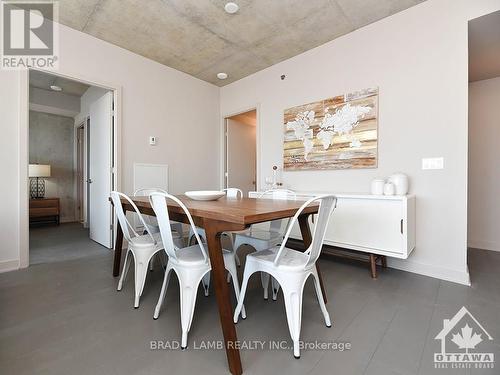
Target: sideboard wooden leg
[(384, 261), (373, 266)]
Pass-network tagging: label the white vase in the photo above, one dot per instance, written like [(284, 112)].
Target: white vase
[(401, 183), (378, 186), (389, 188)]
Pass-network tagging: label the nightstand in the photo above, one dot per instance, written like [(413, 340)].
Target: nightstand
[(44, 210)]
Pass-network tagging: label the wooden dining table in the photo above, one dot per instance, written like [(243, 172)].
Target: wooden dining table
[(216, 217)]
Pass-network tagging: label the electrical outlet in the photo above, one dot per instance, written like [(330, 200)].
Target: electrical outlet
[(152, 140), (433, 163)]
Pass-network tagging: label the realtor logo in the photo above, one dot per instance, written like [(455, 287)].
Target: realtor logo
[(29, 34), (461, 338)]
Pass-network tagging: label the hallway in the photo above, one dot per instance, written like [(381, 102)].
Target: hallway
[(68, 241)]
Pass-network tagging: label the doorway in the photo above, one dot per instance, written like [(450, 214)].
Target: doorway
[(483, 236), (71, 137), (240, 151)]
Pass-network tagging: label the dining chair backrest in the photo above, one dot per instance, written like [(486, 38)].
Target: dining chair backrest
[(282, 194), (145, 192), (327, 204), (233, 193), (127, 228), (159, 204)]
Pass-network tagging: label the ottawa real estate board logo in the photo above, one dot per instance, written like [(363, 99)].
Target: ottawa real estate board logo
[(463, 340), (29, 34)]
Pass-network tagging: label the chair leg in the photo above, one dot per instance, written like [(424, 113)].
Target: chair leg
[(293, 305), (246, 275), (189, 289), (126, 266), (232, 271), (163, 259), (276, 287), (319, 294), (237, 242), (236, 245), (264, 278), (164, 288), (141, 269), (205, 281)]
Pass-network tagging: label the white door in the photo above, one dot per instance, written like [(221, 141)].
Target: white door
[(241, 156), (100, 169)]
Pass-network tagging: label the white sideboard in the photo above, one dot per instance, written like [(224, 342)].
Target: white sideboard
[(382, 225)]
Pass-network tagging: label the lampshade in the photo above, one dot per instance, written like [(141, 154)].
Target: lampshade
[(39, 170)]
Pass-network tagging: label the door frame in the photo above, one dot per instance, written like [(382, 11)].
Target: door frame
[(222, 140), (80, 161), (24, 147)]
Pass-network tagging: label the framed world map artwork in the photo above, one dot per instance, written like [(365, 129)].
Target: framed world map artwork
[(335, 133)]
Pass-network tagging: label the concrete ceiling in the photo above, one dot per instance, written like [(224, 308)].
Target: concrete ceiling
[(199, 38), (43, 81), (484, 47)]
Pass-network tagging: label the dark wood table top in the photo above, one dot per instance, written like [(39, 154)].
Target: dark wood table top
[(244, 211)]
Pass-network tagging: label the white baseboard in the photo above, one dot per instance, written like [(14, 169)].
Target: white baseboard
[(443, 273), (9, 265), (485, 245)]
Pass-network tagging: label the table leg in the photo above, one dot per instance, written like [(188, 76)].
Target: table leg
[(307, 239), (373, 266), (118, 250), (213, 231)]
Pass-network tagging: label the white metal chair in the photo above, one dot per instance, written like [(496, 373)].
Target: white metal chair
[(261, 239), (232, 193), (153, 225), (142, 246), (291, 268), (191, 264), (145, 192)]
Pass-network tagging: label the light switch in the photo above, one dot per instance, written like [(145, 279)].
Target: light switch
[(152, 140), (433, 163)]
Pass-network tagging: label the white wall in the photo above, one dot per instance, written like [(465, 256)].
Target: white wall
[(9, 156), (90, 96), (484, 164), (418, 59), (156, 100)]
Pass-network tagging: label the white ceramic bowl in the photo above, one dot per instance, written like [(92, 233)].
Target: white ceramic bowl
[(205, 195)]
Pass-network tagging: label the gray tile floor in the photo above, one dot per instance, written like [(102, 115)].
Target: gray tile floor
[(68, 318), (54, 243)]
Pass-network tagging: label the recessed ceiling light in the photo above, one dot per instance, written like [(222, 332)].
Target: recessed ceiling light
[(222, 75), (231, 7), (56, 88)]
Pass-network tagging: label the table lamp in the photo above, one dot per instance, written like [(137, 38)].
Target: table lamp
[(37, 184)]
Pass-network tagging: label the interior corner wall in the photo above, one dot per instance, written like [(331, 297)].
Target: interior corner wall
[(156, 100), (51, 142), (90, 96), (484, 168), (418, 58)]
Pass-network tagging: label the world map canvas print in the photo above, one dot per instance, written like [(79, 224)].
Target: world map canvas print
[(335, 133)]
